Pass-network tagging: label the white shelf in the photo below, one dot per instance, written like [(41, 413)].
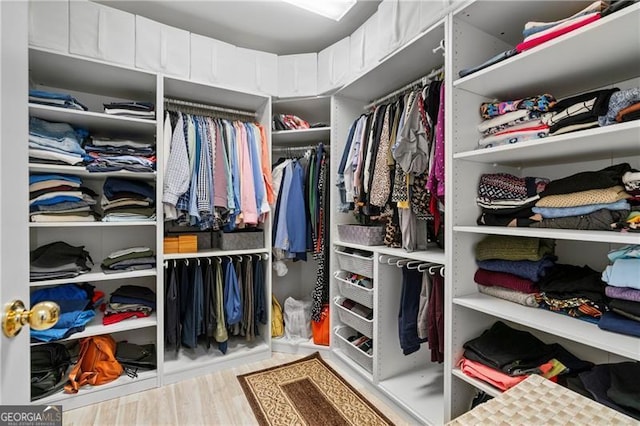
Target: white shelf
[(282, 344), (290, 137), (89, 224), (313, 109), (65, 71), (419, 391), (410, 62), (124, 385), (603, 142), (434, 255), (213, 253), (552, 323), (83, 172), (96, 122), (592, 62), (95, 327), (97, 275), (478, 384), (558, 234)]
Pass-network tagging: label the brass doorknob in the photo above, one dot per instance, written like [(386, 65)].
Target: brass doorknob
[(42, 316)]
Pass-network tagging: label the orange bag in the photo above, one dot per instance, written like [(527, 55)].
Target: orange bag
[(97, 363), (320, 329)]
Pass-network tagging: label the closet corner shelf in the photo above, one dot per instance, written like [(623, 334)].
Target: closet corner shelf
[(214, 253), (320, 134), (96, 328), (145, 380), (399, 67), (95, 275), (553, 323), (95, 122), (575, 62), (559, 234), (603, 142), (83, 172), (420, 391), (98, 224), (478, 384)]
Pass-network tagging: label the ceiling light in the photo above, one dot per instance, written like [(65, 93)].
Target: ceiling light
[(332, 9)]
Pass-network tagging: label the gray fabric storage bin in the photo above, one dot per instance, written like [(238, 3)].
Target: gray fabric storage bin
[(238, 240)]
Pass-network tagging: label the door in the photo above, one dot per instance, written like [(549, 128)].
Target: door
[(14, 234)]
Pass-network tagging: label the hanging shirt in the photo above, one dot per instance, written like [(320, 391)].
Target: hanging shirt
[(247, 186), (266, 170), (176, 178), (296, 218)]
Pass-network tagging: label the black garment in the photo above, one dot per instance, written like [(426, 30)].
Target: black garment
[(209, 314), (616, 5), (625, 386), (598, 382), (600, 220), (259, 307), (568, 281), (375, 145), (59, 253), (600, 106), (136, 292), (584, 181), (626, 306), (172, 310), (493, 60), (408, 312), (509, 350)]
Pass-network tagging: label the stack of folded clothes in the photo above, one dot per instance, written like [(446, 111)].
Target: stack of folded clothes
[(631, 181), (594, 200), (55, 143), (289, 122), (60, 198), (614, 385), (512, 121), (624, 105), (510, 268), (61, 100), (129, 259), (503, 357), (623, 289), (129, 301), (58, 260), (76, 310), (131, 109), (537, 33), (579, 112), (126, 200), (506, 200), (108, 155), (576, 291)]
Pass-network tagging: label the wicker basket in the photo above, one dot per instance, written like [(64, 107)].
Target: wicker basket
[(352, 319), (352, 291), (362, 358), (354, 263), (358, 234)]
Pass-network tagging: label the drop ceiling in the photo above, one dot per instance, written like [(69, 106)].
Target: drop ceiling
[(269, 25)]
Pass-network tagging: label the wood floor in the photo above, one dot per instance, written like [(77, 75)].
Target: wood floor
[(214, 399)]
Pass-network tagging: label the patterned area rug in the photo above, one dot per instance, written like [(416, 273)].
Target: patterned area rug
[(307, 392)]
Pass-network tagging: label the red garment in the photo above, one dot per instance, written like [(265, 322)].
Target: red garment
[(114, 318), (495, 377), (503, 279), (435, 316), (526, 45)]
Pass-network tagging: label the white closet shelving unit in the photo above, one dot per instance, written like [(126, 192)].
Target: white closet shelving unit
[(300, 279), (94, 83), (187, 363), (578, 62), (412, 382)]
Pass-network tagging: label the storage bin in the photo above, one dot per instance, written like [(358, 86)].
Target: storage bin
[(49, 25), (210, 61), (162, 48), (352, 291), (239, 240), (364, 359), (352, 319), (205, 239), (298, 75), (333, 66), (359, 234), (355, 263)]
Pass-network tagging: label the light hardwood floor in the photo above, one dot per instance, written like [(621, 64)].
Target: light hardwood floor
[(214, 399)]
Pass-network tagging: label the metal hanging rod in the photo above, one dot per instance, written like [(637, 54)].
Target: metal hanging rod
[(205, 107), (298, 148), (422, 81)]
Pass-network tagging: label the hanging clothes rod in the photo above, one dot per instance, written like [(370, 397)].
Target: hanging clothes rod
[(422, 81), (298, 148), (205, 107)]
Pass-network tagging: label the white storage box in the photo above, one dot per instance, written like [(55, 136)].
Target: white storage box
[(364, 359), (49, 25), (162, 48), (352, 291), (353, 320), (355, 263)]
